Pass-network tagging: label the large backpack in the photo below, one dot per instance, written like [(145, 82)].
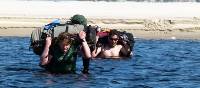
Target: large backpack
[(38, 36)]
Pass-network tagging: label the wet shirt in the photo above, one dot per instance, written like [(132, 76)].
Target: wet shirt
[(61, 62)]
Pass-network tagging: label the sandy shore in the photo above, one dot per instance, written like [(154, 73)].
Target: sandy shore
[(155, 24), (177, 28)]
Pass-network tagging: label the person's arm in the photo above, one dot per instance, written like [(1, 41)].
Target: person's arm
[(96, 51), (86, 52), (45, 57), (85, 47), (125, 50)]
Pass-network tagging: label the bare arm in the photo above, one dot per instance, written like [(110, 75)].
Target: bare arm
[(45, 57), (125, 50), (96, 51), (85, 47), (86, 51)]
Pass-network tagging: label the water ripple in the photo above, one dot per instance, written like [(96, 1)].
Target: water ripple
[(155, 64)]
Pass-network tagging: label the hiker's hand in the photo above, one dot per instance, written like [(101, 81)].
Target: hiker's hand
[(48, 41), (82, 35)]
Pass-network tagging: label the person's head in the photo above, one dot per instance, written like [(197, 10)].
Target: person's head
[(79, 19), (113, 38), (64, 41)]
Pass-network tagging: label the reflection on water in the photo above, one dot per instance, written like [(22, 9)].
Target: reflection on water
[(155, 64)]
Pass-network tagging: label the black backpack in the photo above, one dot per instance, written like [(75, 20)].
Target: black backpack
[(128, 38)]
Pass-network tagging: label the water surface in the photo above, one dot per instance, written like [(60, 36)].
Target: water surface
[(155, 64)]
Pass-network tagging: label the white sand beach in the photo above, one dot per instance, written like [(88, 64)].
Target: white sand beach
[(144, 20)]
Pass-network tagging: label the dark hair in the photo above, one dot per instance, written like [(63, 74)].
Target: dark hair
[(114, 32), (79, 19), (64, 36)]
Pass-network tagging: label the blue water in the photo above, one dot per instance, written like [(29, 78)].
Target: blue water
[(155, 64)]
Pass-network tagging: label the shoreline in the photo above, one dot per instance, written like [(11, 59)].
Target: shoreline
[(176, 28)]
